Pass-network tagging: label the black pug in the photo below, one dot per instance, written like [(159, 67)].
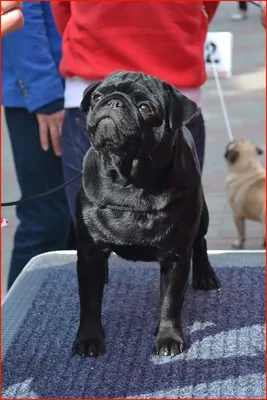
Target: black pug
[(141, 198)]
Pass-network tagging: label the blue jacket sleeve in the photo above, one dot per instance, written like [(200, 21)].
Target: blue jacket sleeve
[(33, 63)]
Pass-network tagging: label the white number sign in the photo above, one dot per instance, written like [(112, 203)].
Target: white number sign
[(219, 48)]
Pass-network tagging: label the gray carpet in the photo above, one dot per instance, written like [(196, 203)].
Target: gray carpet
[(225, 332)]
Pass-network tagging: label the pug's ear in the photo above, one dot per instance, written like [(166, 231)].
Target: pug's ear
[(182, 110), (85, 104), (259, 150)]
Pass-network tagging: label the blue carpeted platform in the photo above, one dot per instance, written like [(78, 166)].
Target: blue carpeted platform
[(225, 332)]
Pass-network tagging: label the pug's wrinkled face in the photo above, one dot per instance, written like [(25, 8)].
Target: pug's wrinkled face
[(135, 115), (240, 154)]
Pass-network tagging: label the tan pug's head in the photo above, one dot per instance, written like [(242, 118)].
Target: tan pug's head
[(241, 155)]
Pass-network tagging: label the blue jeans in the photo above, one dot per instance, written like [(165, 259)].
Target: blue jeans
[(75, 143), (44, 223)]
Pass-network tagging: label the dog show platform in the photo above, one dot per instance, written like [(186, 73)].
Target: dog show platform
[(225, 333)]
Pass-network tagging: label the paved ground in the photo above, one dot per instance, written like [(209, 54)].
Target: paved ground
[(245, 99)]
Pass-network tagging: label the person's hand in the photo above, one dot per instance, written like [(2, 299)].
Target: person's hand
[(11, 16), (50, 126), (263, 13)]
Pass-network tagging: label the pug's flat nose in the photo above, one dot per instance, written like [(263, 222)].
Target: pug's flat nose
[(115, 103)]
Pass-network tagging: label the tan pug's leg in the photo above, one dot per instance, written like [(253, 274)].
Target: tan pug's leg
[(264, 227), (240, 225)]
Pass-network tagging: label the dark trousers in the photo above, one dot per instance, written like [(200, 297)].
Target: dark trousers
[(44, 223), (243, 5), (75, 143)]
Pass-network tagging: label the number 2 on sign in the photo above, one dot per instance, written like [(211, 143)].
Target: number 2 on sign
[(210, 52)]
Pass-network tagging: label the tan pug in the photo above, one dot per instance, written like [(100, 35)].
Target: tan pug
[(246, 185)]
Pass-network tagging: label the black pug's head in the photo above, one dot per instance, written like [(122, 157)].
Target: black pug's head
[(136, 117)]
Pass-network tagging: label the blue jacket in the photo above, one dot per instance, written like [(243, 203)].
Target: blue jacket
[(30, 61)]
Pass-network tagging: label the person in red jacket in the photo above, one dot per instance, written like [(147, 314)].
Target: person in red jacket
[(164, 39)]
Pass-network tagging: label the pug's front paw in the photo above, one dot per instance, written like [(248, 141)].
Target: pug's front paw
[(89, 343), (170, 342), (238, 244)]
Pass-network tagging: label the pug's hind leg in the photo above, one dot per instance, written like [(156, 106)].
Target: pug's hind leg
[(240, 225), (204, 276), (92, 275), (264, 234)]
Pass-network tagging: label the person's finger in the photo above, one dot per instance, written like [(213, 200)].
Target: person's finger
[(59, 119), (44, 132), (59, 124), (55, 135), (10, 5), (11, 22)]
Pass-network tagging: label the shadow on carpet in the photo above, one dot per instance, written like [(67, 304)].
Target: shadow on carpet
[(225, 332)]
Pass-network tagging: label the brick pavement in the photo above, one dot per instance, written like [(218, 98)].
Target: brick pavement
[(245, 99)]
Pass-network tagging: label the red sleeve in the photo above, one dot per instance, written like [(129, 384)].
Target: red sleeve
[(211, 7), (61, 12)]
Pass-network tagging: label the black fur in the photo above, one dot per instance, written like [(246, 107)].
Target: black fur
[(142, 198)]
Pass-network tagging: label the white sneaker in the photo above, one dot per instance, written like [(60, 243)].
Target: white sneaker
[(239, 16)]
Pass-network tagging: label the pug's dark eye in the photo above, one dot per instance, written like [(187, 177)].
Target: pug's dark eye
[(145, 108), (96, 96)]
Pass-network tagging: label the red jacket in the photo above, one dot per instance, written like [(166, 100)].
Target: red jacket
[(165, 39)]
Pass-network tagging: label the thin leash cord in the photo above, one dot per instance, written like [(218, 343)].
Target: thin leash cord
[(221, 97), (44, 194), (41, 195), (220, 92), (255, 3)]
